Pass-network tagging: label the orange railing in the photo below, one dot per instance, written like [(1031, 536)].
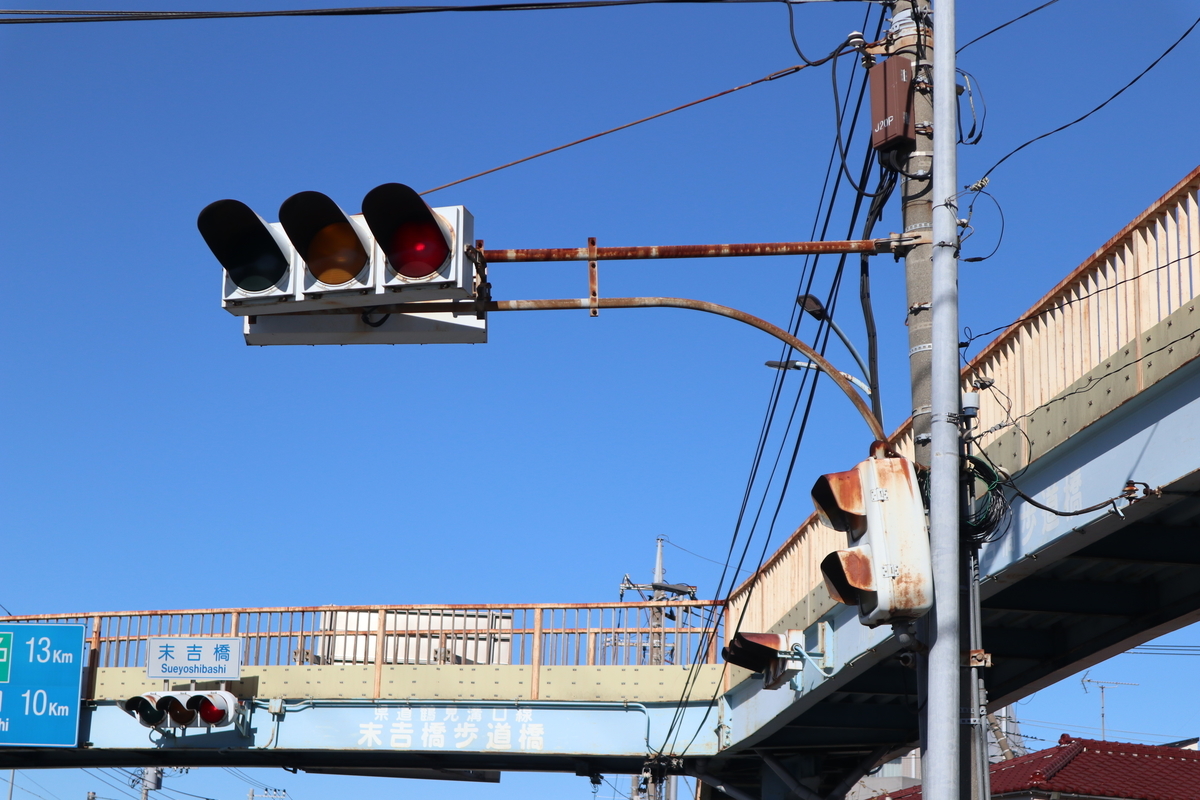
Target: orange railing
[(645, 633)]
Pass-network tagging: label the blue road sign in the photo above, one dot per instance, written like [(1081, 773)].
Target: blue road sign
[(41, 675)]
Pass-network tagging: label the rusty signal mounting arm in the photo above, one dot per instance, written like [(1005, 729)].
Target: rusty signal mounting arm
[(891, 244)]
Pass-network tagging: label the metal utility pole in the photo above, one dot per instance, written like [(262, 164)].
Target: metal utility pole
[(656, 614), (944, 780), (928, 189), (151, 779)]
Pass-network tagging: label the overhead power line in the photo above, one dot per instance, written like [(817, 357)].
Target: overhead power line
[(31, 16), (1112, 97), (1005, 25), (783, 73)]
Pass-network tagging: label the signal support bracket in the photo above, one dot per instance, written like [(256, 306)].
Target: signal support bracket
[(593, 278), (901, 243), (483, 289)]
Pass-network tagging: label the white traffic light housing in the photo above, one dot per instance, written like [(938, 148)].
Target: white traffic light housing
[(886, 570), (423, 248), (317, 257), (213, 709), (259, 260), (336, 255)]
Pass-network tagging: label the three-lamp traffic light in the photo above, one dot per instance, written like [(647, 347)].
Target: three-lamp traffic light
[(213, 709), (886, 570), (319, 258)]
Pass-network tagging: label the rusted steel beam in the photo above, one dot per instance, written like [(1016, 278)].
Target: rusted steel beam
[(868, 246)]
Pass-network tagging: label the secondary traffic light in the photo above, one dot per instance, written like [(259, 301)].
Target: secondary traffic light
[(777, 656), (214, 709), (886, 569), (318, 257)]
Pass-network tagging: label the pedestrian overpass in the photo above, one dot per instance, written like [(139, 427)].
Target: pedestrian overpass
[(1092, 400)]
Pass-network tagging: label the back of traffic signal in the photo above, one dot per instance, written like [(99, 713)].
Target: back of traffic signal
[(885, 570)]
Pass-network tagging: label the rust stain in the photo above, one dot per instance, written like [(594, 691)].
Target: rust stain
[(838, 497), (680, 251), (857, 566)]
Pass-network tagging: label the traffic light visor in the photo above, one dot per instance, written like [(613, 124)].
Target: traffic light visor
[(838, 498), (754, 651), (848, 574), (145, 710), (323, 237), (180, 715), (414, 241), (242, 243), (214, 708)]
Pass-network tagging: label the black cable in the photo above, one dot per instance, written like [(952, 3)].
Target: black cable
[(841, 146), (796, 45), (100, 777), (1005, 25), (1117, 94), (773, 404), (178, 791), (37, 16), (889, 161), (811, 394), (887, 184), (972, 136), (809, 270), (365, 317), (999, 238), (991, 515)]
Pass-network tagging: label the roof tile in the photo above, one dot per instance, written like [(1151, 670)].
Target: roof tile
[(1089, 766)]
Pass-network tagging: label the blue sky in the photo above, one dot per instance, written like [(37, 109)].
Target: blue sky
[(152, 460)]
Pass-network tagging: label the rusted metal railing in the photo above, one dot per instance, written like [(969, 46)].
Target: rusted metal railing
[(537, 635)]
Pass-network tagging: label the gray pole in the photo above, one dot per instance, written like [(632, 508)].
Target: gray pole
[(912, 41), (943, 779)]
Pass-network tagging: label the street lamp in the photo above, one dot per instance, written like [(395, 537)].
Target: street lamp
[(817, 311)]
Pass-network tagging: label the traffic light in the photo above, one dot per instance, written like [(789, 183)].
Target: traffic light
[(886, 569), (213, 709), (318, 257), (776, 655)]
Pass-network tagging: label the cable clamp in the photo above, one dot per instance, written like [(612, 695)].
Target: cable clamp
[(483, 289), (593, 278), (901, 242)]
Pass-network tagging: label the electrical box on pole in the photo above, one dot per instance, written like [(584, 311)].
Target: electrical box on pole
[(892, 123)]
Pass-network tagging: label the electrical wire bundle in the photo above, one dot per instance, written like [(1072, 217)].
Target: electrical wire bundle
[(991, 515)]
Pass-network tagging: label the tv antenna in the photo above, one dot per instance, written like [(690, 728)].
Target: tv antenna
[(1085, 680)]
